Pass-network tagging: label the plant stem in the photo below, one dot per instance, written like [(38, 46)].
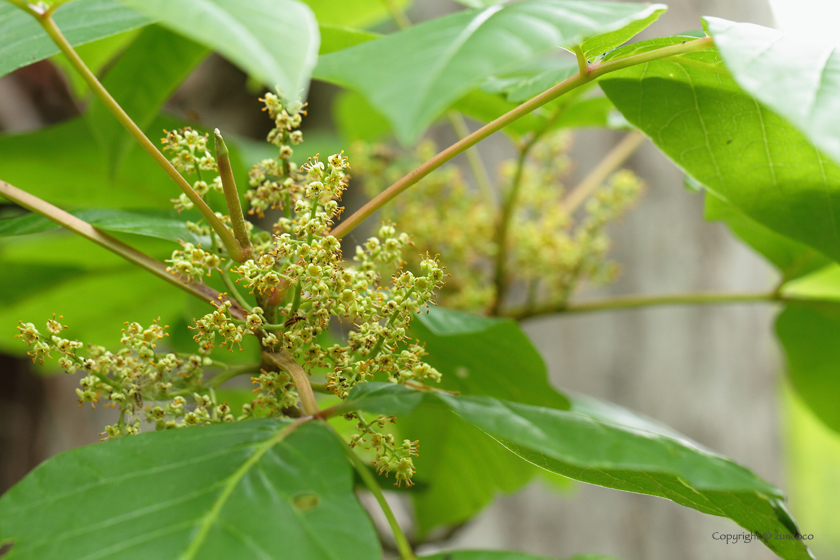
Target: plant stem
[(583, 64), (300, 379), (459, 125), (474, 138), (614, 159), (237, 219), (508, 207), (229, 241), (632, 302), (397, 14), (132, 255), (406, 553)]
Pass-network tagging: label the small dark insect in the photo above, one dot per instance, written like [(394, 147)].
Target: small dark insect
[(138, 398), (729, 141), (292, 320)]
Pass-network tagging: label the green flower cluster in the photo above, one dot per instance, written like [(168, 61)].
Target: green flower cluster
[(301, 286), (191, 156), (390, 457), (143, 384), (551, 248)]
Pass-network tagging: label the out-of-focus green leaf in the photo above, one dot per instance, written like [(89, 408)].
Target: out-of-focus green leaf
[(357, 120), (96, 56), (740, 150), (799, 81), (358, 13), (276, 41), (793, 259), (244, 490), (76, 172), (337, 37), (141, 81), (810, 336), (81, 21), (597, 445), (415, 74), (812, 453), (161, 225)]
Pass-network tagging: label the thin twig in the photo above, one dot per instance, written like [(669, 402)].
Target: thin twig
[(595, 71), (638, 301), (612, 161), (229, 241), (479, 171), (76, 225)]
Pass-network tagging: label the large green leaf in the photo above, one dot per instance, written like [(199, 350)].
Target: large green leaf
[(607, 446), (800, 81), (214, 492), (486, 356), (161, 224), (141, 81), (793, 259), (275, 41), (413, 75), (742, 151), (464, 468), (82, 21), (810, 335)]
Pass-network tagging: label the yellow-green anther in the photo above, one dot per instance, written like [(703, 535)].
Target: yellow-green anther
[(237, 219)]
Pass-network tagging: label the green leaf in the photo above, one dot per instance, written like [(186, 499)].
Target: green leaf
[(464, 468), (485, 356), (358, 13), (810, 336), (415, 74), (159, 224), (355, 119), (800, 81), (77, 172), (338, 37), (275, 41), (608, 446), (82, 21), (531, 79), (238, 490), (793, 259), (97, 56), (742, 151), (141, 81)]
